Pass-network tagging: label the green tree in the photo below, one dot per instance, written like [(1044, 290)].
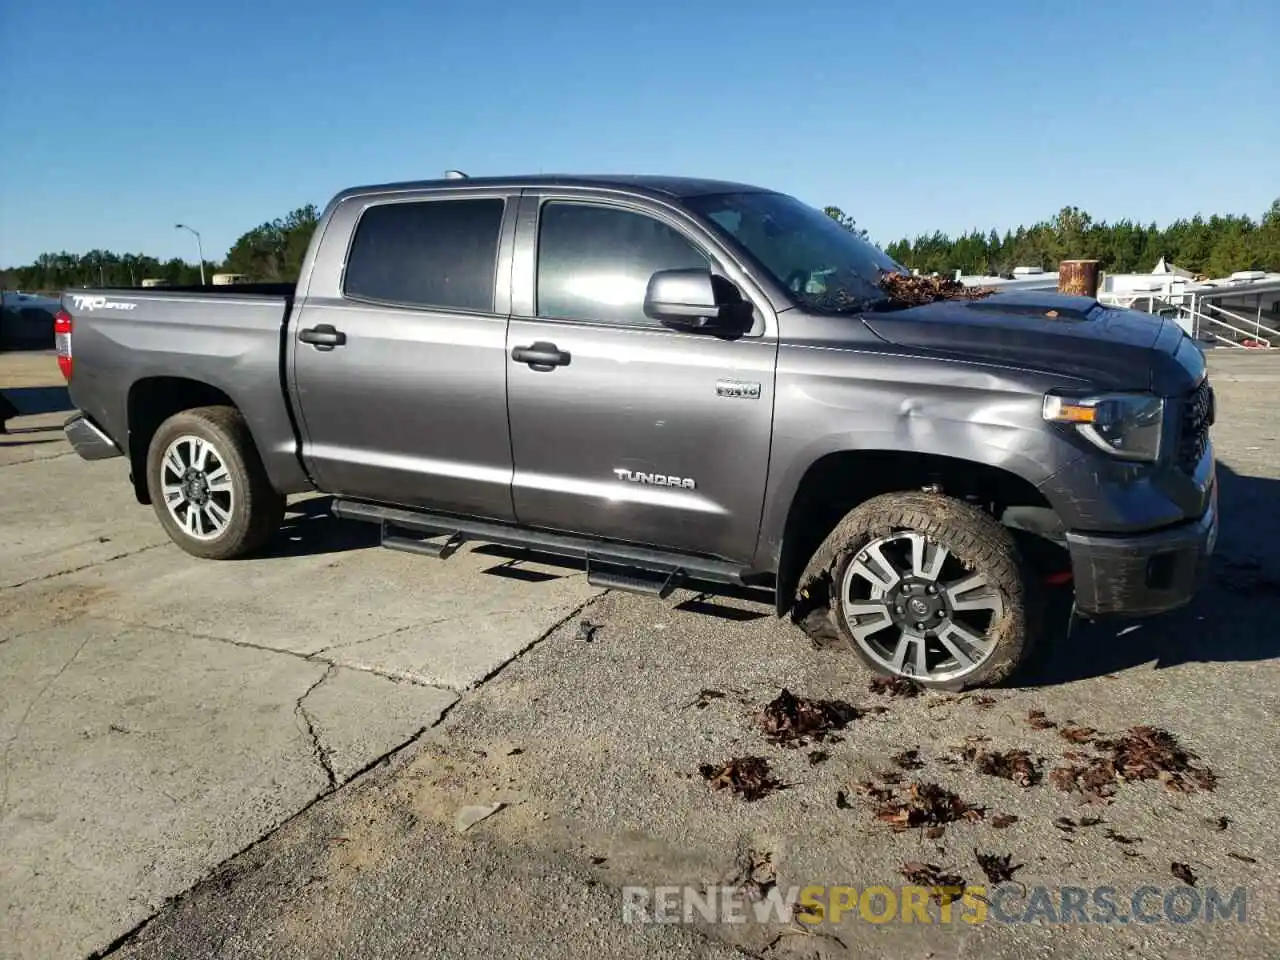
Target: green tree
[(1216, 246), (1263, 244), (846, 221), (274, 251)]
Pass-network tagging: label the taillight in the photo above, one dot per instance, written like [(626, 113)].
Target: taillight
[(62, 340)]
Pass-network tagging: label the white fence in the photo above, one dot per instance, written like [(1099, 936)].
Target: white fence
[(1202, 314)]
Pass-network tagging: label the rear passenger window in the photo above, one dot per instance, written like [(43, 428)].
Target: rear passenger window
[(594, 262), (434, 253)]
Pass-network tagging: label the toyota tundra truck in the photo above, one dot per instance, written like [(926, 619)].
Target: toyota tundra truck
[(672, 381)]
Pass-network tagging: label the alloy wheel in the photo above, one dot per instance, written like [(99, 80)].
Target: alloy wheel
[(917, 611), (197, 488)]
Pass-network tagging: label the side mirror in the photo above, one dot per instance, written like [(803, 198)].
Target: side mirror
[(687, 300)]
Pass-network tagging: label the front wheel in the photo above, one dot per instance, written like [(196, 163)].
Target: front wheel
[(930, 588), (208, 485)]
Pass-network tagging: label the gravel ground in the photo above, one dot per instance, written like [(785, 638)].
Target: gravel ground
[(594, 749)]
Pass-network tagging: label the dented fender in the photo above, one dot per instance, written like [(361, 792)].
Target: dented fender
[(874, 398)]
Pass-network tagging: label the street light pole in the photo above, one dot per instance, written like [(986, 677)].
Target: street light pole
[(199, 246)]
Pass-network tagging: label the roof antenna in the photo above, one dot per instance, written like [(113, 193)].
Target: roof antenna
[(455, 175)]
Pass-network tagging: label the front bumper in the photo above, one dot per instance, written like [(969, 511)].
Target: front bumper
[(88, 440), (1138, 575)]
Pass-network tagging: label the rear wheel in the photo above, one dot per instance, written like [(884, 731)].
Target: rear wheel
[(208, 485), (930, 588)]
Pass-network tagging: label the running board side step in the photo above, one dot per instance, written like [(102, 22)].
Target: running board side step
[(426, 546), (654, 583), (620, 566)]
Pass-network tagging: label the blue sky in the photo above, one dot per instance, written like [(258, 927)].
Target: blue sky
[(120, 119)]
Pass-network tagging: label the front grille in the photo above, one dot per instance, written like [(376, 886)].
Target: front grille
[(1193, 432)]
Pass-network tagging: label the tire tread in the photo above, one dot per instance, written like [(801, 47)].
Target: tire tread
[(262, 505), (971, 534)]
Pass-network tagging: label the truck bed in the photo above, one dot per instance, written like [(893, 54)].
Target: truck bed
[(131, 345)]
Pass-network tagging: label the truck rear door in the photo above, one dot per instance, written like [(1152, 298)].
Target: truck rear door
[(398, 352), (633, 431)]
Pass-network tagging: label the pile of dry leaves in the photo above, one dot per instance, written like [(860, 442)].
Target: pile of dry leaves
[(1094, 778), (791, 721), (749, 777), (1142, 753), (1015, 765), (1149, 753), (786, 721), (915, 291), (925, 805)]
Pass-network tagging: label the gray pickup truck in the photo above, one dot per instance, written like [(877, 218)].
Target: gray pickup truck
[(676, 381)]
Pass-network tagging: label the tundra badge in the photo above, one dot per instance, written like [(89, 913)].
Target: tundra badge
[(742, 389), (654, 479)]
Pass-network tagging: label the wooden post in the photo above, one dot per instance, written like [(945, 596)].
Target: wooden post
[(1078, 277)]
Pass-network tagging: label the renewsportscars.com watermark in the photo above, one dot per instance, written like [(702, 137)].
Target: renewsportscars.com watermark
[(1006, 903)]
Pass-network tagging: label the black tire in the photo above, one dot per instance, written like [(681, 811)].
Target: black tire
[(975, 539), (256, 508)]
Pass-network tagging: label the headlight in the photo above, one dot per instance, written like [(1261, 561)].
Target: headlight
[(1126, 425)]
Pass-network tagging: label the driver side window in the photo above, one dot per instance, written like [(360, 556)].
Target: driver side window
[(595, 261)]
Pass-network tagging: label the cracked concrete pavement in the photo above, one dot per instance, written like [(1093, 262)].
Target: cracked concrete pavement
[(159, 714), (173, 723)]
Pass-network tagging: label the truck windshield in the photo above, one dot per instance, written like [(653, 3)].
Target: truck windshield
[(820, 262)]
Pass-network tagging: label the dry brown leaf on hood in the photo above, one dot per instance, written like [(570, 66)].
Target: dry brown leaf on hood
[(914, 290)]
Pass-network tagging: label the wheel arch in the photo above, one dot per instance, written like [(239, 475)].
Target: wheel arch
[(152, 401), (838, 481)]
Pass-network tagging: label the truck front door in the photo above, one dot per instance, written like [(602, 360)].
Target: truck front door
[(398, 352), (621, 427)]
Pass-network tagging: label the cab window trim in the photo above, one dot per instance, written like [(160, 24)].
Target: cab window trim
[(716, 262), (510, 204)]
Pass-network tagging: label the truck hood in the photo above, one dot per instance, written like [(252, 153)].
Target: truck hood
[(1113, 349)]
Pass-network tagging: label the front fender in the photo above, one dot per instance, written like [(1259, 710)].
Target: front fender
[(844, 401)]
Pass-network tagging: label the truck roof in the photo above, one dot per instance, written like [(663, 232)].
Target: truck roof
[(669, 186)]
